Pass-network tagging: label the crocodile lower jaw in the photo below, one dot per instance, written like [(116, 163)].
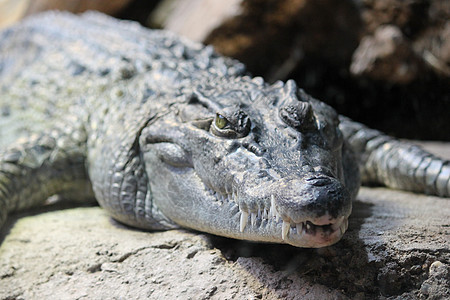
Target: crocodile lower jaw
[(315, 233)]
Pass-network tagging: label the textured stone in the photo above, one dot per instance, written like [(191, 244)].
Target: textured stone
[(386, 56)]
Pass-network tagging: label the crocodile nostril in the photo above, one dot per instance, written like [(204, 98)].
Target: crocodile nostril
[(324, 171), (319, 181)]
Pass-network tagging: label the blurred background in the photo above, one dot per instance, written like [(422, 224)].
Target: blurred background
[(385, 63)]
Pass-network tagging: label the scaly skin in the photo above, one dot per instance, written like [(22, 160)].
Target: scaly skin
[(164, 133)]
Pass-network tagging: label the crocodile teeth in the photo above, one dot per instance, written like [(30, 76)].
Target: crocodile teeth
[(273, 209), (342, 228), (285, 229), (308, 226), (345, 223), (253, 218), (265, 215), (299, 227), (244, 219)]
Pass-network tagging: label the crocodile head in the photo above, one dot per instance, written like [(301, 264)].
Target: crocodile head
[(250, 161)]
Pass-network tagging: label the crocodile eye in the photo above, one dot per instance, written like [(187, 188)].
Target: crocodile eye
[(221, 121), (236, 124)]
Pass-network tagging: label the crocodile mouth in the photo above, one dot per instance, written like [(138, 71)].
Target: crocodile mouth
[(313, 235), (314, 232), (267, 224)]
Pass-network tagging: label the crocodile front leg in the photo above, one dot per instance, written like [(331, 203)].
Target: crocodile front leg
[(388, 161), (33, 170)]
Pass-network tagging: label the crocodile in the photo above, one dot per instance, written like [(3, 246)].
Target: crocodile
[(165, 133)]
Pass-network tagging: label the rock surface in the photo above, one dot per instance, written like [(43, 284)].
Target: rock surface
[(398, 245)]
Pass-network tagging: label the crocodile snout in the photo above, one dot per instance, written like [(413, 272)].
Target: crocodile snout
[(312, 198), (314, 210), (311, 211)]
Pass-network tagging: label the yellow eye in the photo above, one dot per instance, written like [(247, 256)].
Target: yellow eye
[(221, 121)]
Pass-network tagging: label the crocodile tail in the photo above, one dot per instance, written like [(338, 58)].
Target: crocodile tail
[(396, 164)]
